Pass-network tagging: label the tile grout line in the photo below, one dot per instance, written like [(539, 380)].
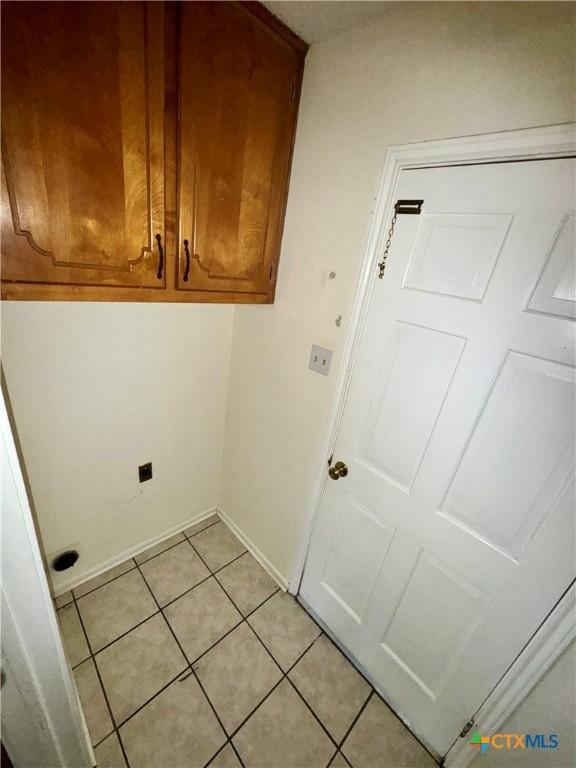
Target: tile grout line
[(353, 723), (326, 731), (192, 670), (171, 602), (167, 605), (287, 678), (186, 538), (228, 737), (260, 604), (212, 574), (127, 632), (109, 581), (156, 613), (138, 565), (223, 747), (244, 619), (271, 691), (216, 570), (372, 688), (158, 692), (342, 755), (191, 536), (202, 581), (112, 718), (371, 692), (284, 677)]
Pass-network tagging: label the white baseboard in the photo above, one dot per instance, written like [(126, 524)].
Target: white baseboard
[(80, 577), (254, 551)]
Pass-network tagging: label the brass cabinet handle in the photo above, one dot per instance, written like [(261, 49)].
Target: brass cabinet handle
[(338, 470), (160, 257), (187, 268)]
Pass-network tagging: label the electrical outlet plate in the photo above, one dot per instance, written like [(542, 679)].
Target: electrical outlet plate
[(145, 472), (320, 360)]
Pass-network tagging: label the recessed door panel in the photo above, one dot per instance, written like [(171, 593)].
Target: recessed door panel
[(416, 377), (455, 253), (519, 456), (437, 615), (348, 579), (555, 292)]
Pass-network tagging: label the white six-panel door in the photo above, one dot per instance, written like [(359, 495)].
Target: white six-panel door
[(452, 536)]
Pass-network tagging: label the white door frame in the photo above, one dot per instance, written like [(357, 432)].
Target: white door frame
[(525, 144), (42, 719)]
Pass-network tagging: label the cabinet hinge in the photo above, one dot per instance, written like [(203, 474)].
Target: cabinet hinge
[(271, 271), (330, 460), (467, 728), (293, 92)]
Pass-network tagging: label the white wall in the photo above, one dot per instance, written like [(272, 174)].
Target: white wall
[(98, 389), (42, 721), (550, 707), (421, 71)]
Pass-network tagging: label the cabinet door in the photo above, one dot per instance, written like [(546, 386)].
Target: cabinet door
[(82, 143), (239, 82)]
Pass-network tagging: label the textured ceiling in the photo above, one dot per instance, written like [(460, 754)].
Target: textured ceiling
[(315, 20)]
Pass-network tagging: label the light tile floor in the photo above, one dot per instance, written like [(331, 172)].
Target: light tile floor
[(189, 655)]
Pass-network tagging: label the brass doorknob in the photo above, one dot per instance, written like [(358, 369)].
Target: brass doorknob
[(338, 470)]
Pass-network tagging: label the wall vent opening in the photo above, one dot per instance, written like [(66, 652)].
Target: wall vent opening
[(65, 560)]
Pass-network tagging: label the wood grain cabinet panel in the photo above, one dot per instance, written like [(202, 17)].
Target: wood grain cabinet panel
[(146, 149), (83, 143), (237, 112)]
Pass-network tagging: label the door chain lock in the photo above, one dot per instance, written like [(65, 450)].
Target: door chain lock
[(401, 206)]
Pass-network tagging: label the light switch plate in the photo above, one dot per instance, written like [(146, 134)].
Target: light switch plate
[(320, 359)]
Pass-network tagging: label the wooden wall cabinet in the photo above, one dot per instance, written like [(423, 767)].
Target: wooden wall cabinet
[(146, 150)]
